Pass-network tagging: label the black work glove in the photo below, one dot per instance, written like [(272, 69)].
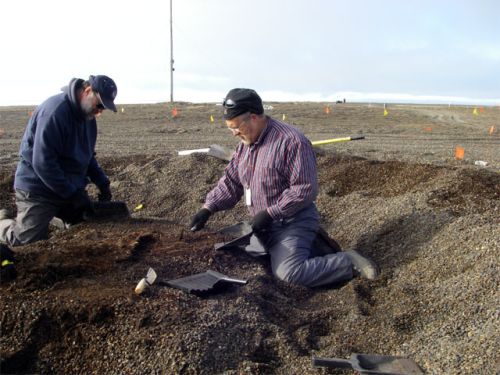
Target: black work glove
[(80, 201), (8, 271), (198, 221), (104, 194), (261, 221)]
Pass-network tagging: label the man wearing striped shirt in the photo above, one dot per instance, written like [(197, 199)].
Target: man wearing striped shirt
[(274, 169)]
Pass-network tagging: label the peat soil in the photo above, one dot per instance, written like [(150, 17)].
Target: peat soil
[(430, 221)]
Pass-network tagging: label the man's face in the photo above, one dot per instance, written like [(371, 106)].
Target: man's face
[(241, 127), (91, 104)]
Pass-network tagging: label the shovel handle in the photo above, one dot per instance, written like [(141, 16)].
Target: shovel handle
[(232, 280), (357, 137), (331, 362)]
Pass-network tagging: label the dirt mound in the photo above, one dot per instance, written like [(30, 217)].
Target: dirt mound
[(432, 229)]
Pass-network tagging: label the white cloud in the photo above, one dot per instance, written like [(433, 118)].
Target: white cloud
[(292, 50)]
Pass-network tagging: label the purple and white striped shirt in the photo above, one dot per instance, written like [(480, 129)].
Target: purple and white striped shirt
[(279, 169)]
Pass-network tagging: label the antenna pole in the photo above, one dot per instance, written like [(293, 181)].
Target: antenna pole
[(171, 58)]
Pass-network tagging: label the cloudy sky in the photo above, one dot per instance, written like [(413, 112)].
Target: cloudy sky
[(433, 51)]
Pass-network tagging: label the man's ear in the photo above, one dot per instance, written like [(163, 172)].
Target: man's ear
[(87, 90)]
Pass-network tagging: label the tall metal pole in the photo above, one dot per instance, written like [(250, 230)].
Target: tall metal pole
[(171, 58)]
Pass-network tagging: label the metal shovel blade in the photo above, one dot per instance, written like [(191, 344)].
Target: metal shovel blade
[(216, 151), (237, 230), (203, 283), (372, 364), (220, 152), (242, 231), (151, 276)]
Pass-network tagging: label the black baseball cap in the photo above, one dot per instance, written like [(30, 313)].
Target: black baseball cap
[(106, 88), (239, 101)]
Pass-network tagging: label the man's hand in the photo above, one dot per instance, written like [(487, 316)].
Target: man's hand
[(104, 194), (8, 271), (261, 221), (80, 201), (198, 221)]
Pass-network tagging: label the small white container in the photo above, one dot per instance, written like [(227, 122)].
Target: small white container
[(141, 286)]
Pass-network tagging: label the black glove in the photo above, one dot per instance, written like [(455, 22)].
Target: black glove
[(261, 221), (104, 194), (198, 221), (8, 271), (80, 201)]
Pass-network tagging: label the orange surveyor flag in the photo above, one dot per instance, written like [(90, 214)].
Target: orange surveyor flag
[(386, 112), (459, 153), (492, 130), (174, 112), (327, 109), (212, 118), (481, 109), (474, 112), (428, 129)]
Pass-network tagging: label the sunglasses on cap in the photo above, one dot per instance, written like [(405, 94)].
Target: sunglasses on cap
[(99, 104), (229, 103)]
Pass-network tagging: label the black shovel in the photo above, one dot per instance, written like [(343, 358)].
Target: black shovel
[(203, 283), (242, 231), (107, 211), (372, 364)]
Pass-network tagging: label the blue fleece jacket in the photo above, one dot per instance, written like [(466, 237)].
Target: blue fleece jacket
[(57, 153)]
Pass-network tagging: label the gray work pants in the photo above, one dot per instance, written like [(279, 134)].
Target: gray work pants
[(34, 214), (289, 244)]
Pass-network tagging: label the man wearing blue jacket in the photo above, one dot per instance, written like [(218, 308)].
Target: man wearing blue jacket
[(57, 160)]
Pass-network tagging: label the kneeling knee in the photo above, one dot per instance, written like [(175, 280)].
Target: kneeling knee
[(291, 276)]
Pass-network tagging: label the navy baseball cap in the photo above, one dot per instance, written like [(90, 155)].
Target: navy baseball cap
[(107, 90), (239, 101)]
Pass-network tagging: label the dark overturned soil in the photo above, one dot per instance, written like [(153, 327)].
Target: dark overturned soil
[(430, 222)]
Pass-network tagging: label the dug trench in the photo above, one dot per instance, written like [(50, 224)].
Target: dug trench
[(72, 308)]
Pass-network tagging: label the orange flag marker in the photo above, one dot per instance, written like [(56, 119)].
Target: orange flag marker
[(492, 130), (459, 153), (174, 112), (327, 110), (2, 132), (481, 109), (428, 129)]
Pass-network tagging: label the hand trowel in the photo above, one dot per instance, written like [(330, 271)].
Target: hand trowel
[(146, 281)]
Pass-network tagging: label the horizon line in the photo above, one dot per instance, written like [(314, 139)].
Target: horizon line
[(272, 96)]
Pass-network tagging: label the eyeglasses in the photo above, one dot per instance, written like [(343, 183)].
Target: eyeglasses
[(237, 130), (229, 103)]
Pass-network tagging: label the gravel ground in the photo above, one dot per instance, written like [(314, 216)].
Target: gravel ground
[(431, 222)]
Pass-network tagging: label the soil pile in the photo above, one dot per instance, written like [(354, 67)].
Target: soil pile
[(432, 228)]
